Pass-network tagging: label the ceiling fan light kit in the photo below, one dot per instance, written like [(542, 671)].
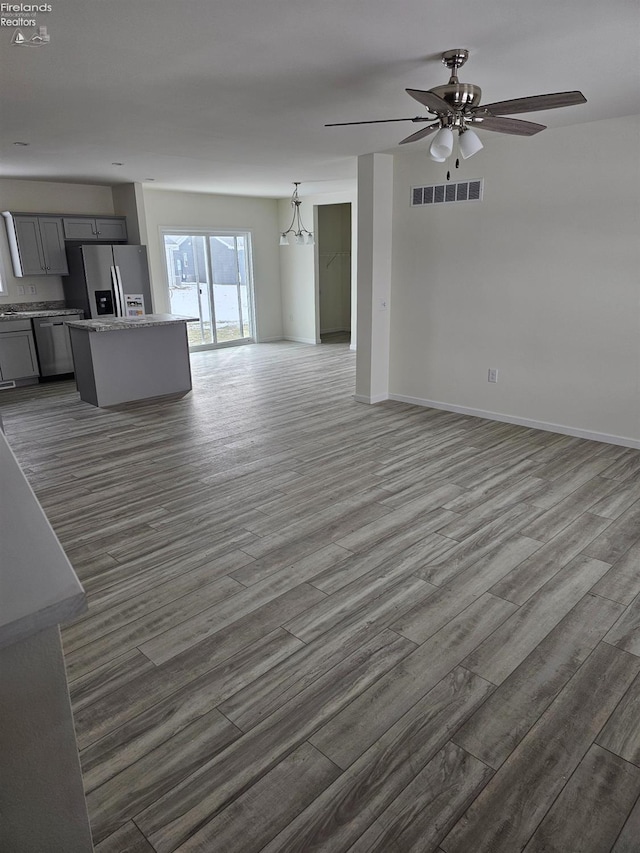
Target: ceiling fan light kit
[(456, 106), (301, 235), (442, 144), (469, 144)]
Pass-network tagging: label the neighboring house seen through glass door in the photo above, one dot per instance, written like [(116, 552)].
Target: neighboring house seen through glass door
[(209, 275)]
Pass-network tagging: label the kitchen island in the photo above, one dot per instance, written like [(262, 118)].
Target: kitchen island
[(121, 359)]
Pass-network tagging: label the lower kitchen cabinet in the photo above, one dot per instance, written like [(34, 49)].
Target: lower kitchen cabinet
[(17, 353)]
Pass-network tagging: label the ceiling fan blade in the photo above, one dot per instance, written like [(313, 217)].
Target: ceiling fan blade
[(431, 101), (532, 104), (515, 126), (420, 134), (377, 121)]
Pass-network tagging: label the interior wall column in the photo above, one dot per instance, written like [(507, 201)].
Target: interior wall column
[(375, 215)]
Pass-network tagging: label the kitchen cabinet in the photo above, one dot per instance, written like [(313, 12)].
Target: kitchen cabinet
[(36, 244), (89, 228), (17, 351)]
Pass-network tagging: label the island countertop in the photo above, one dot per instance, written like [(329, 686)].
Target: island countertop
[(118, 324)]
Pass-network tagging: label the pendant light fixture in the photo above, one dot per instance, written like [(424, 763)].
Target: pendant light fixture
[(300, 234)]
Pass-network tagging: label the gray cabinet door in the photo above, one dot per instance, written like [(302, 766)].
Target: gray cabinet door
[(52, 235), (79, 228), (40, 242), (17, 356), (106, 229), (111, 229), (27, 232)]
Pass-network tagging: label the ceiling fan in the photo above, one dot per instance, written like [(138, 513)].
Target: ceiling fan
[(456, 107)]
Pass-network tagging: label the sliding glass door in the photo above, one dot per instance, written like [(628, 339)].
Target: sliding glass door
[(209, 276)]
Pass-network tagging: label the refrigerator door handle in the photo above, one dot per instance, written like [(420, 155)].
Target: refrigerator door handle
[(117, 289), (121, 292)]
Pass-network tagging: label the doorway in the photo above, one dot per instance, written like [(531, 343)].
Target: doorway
[(209, 276), (334, 272)]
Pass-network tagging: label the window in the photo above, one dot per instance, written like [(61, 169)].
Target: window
[(209, 277)]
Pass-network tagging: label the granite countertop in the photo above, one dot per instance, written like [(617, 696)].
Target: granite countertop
[(118, 324), (44, 312), (39, 585)]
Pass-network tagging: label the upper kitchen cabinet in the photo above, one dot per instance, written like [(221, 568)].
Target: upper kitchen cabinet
[(109, 229), (36, 244)]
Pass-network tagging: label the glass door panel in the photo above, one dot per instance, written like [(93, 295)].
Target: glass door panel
[(228, 327), (244, 307), (209, 278), (243, 278), (189, 289), (228, 263)]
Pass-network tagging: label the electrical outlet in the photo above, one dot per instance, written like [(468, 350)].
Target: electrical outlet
[(32, 289), (493, 374), (20, 289)]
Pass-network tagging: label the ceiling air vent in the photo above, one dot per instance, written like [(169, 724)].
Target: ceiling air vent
[(446, 193)]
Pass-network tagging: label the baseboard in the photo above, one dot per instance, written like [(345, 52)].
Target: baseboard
[(269, 340), (526, 422), (376, 398), (299, 340), (352, 347), (335, 331)]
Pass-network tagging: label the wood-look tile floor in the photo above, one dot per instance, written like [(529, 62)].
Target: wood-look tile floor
[(319, 625)]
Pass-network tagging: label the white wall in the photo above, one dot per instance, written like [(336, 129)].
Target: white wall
[(299, 265), (540, 280), (44, 197), (375, 227), (257, 215)]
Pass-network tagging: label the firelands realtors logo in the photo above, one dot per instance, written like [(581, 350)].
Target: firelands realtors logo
[(27, 31)]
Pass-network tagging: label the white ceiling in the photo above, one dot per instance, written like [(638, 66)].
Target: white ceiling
[(231, 96)]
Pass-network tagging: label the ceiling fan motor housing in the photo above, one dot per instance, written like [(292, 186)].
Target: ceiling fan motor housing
[(459, 96)]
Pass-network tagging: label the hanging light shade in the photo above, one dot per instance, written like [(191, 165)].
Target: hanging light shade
[(469, 143), (442, 144), (296, 228)]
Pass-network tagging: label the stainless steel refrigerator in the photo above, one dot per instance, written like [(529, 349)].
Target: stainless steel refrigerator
[(108, 281)]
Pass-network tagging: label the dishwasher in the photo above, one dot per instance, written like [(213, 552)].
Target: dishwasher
[(54, 344)]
